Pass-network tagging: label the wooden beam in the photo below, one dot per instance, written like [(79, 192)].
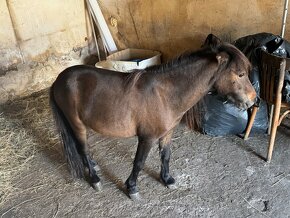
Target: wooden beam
[(99, 19)]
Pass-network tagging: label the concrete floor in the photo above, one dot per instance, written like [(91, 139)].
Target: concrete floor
[(216, 177)]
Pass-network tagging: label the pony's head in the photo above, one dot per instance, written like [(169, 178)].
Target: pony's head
[(234, 67)]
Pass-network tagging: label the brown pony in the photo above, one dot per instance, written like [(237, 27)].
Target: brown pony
[(147, 104)]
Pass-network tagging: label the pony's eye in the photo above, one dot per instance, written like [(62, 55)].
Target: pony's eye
[(241, 75)]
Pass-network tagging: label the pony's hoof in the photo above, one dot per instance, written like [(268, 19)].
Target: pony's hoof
[(97, 168), (97, 186), (135, 197), (169, 183), (172, 186), (95, 165)]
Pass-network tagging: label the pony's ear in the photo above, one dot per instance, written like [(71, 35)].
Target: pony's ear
[(212, 41), (222, 58)]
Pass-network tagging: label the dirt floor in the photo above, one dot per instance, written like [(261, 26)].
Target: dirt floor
[(216, 176)]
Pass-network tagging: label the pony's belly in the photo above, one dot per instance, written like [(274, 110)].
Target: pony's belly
[(121, 132)]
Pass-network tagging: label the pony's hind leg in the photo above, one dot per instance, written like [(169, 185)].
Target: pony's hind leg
[(94, 179), (81, 136), (95, 165), (165, 153), (144, 146)]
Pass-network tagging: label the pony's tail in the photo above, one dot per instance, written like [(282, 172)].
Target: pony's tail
[(70, 143), (193, 117)]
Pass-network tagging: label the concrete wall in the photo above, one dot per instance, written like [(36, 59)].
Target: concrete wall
[(40, 38)]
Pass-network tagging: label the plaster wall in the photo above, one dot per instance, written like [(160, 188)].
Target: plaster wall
[(178, 25), (38, 39)]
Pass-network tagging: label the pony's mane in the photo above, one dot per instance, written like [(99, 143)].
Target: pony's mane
[(180, 63), (131, 79)]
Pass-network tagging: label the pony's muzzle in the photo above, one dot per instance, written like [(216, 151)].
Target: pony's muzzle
[(252, 95), (249, 104), (252, 102), (252, 99)]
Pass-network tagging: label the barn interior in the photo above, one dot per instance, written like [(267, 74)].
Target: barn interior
[(217, 175)]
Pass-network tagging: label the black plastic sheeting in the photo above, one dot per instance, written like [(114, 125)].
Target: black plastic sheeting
[(226, 119), (223, 118)]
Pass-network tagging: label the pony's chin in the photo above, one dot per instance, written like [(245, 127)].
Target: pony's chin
[(244, 105)]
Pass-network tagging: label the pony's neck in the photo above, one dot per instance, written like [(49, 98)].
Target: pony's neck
[(184, 89)]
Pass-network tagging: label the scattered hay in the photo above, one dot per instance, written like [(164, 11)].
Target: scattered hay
[(26, 127)]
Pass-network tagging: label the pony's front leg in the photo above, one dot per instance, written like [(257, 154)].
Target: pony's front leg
[(144, 146), (165, 153)]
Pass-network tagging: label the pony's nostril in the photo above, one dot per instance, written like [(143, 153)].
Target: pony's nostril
[(252, 96)]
